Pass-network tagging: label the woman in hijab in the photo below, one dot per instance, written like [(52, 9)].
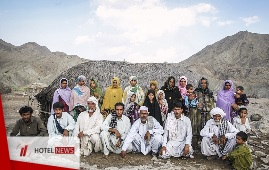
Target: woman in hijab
[(171, 92), (95, 91), (163, 104), (80, 93), (183, 81), (225, 99), (62, 95), (153, 106), (131, 108), (205, 100), (112, 96)]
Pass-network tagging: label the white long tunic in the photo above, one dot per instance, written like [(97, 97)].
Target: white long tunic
[(91, 128), (137, 133), (208, 148), (177, 134), (242, 127), (109, 139), (66, 122)]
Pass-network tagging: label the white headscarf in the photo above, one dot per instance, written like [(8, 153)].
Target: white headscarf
[(128, 103), (133, 78), (95, 101), (216, 111), (158, 93)]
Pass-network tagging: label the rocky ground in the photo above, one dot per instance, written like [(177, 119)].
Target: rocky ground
[(258, 144)]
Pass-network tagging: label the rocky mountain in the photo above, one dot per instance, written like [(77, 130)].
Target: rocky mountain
[(30, 62), (243, 58)]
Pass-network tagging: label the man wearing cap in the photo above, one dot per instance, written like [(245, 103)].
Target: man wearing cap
[(136, 89), (219, 135), (88, 128), (177, 134), (145, 134), (114, 130)]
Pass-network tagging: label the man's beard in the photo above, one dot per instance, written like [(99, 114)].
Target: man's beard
[(26, 120), (217, 122), (91, 110), (143, 119)]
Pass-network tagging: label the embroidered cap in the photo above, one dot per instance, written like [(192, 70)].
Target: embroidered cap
[(144, 108)]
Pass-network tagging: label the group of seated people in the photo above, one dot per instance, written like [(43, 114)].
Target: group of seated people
[(143, 125)]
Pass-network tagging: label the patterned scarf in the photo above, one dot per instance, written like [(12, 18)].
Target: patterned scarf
[(223, 127), (113, 122), (134, 89)]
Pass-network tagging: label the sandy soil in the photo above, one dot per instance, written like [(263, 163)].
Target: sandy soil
[(12, 103)]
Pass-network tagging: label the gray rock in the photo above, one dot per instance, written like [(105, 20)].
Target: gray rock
[(255, 117), (260, 153), (266, 159)]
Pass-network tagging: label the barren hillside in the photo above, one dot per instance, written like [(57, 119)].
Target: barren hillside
[(30, 62)]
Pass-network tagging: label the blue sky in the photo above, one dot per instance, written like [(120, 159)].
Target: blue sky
[(135, 31)]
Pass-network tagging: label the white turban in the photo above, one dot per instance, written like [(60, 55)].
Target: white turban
[(143, 108), (95, 101), (216, 111)]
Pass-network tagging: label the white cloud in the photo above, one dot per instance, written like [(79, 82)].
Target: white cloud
[(115, 50), (148, 19), (83, 39), (251, 20), (142, 31), (224, 23)]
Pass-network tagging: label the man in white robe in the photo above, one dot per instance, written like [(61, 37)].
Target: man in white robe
[(177, 135), (60, 125), (114, 130), (219, 135), (145, 134), (88, 128)]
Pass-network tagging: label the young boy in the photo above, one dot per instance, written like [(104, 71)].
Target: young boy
[(241, 157), (190, 99), (240, 97), (241, 122), (191, 112)]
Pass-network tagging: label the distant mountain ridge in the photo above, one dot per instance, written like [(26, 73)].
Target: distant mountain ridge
[(242, 57), (30, 62)]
